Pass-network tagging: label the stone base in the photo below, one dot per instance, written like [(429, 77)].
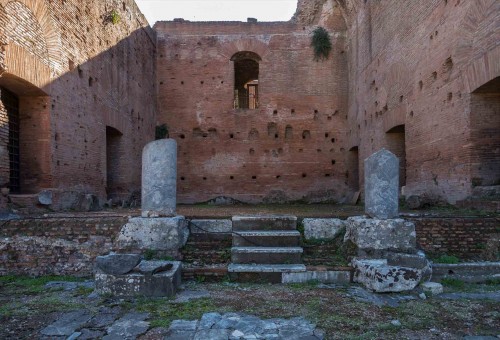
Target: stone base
[(378, 276), (375, 237), (138, 283), (166, 235), (322, 228)]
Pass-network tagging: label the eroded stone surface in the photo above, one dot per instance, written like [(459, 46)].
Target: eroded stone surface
[(166, 234), (374, 236), (322, 228), (117, 264), (67, 323), (129, 326), (159, 178), (210, 226), (380, 277), (382, 185), (432, 288)]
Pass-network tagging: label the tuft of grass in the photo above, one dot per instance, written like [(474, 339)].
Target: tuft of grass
[(321, 43), (447, 259), (32, 285), (453, 283)]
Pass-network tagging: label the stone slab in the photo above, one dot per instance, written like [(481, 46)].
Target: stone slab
[(330, 276), (130, 326), (380, 277), (167, 234), (374, 237), (135, 284), (474, 272), (117, 264), (264, 222), (266, 268), (382, 185), (322, 228), (432, 288), (210, 226), (159, 178), (67, 324)]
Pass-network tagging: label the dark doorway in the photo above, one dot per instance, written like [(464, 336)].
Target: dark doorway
[(246, 80), (485, 134), (395, 138), (353, 168), (114, 154), (9, 110)]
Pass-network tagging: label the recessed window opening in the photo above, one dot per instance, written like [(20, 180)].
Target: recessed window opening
[(246, 80)]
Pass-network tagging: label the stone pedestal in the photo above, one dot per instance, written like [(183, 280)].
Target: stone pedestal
[(159, 178), (166, 235), (382, 185), (373, 237), (149, 279)]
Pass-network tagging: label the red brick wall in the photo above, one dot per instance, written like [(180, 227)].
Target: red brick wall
[(292, 147), (93, 74), (416, 63), (467, 238)]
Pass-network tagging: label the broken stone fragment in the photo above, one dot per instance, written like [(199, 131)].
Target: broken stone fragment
[(380, 277), (432, 288), (322, 228), (117, 264), (153, 267), (45, 197)]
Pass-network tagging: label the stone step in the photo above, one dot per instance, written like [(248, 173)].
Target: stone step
[(265, 222), (275, 238), (266, 255), (266, 268)]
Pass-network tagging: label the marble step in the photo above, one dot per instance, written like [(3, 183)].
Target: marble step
[(274, 238), (266, 255), (264, 222)]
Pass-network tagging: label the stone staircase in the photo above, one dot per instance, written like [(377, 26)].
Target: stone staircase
[(265, 247)]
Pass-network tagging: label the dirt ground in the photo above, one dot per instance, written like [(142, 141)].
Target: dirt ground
[(27, 305)]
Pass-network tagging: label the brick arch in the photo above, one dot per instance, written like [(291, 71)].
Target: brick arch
[(479, 52), (50, 32), (252, 45)]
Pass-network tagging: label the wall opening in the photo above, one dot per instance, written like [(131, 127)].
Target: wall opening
[(353, 168), (246, 80), (114, 154), (25, 139), (395, 139), (485, 134)]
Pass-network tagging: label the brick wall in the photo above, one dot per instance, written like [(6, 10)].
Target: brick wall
[(416, 63), (80, 73), (292, 147), (467, 238), (66, 246)]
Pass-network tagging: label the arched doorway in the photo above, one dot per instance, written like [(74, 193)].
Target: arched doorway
[(246, 80)]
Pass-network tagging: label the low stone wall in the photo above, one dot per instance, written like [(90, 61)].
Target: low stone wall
[(57, 246), (475, 238)]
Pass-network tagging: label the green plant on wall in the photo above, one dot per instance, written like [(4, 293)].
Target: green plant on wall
[(161, 131), (114, 17), (321, 43)]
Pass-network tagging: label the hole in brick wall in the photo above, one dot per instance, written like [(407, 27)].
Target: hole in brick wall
[(197, 132), (306, 134), (329, 118), (222, 82), (182, 136), (288, 132), (204, 178), (272, 129), (434, 75), (254, 177), (327, 175), (449, 96), (202, 82), (253, 134), (401, 99), (231, 177), (333, 161), (431, 37), (212, 132), (278, 177), (420, 84), (315, 111), (161, 83), (275, 112), (91, 81), (332, 150), (183, 178), (71, 64), (124, 6), (448, 64), (304, 175), (301, 150), (251, 151), (292, 111), (182, 82), (318, 150), (333, 140), (411, 113), (280, 151), (327, 134), (231, 135), (80, 72), (316, 116), (276, 136), (335, 112)]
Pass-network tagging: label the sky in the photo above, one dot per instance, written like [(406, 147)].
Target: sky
[(217, 10)]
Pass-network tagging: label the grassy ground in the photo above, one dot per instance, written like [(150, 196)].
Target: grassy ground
[(27, 307)]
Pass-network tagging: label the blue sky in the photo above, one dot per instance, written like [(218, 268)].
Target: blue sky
[(217, 10)]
